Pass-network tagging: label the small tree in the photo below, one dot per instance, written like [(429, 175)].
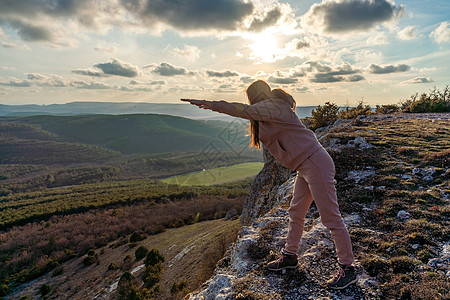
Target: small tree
[(153, 258), (136, 237), (354, 112), (141, 252), (45, 289), (324, 115)]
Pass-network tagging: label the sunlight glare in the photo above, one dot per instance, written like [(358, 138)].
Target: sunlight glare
[(264, 47)]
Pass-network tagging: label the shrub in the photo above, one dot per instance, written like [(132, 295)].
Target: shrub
[(387, 109), (178, 287), (126, 284), (435, 101), (375, 266), (136, 237), (4, 290), (324, 115), (141, 252), (152, 275), (113, 266), (354, 112), (402, 264), (91, 258), (153, 257), (45, 289)]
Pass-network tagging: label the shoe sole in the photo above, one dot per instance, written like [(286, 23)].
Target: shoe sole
[(283, 268), (345, 286)]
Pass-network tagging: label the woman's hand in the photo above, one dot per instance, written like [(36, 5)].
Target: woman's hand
[(199, 103)]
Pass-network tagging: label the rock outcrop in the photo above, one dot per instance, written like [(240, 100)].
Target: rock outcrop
[(263, 195), (241, 274)]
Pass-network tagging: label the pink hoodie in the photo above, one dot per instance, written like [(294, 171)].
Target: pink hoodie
[(280, 129)]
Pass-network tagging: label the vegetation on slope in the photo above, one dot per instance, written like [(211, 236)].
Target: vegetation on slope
[(410, 161), (144, 206), (134, 133)]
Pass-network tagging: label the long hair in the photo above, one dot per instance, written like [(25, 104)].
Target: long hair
[(256, 92), (281, 94)]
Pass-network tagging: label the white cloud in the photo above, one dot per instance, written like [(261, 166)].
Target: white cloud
[(408, 33), (168, 70), (90, 72), (418, 80), (190, 52), (10, 45), (442, 33), (322, 73), (378, 38), (221, 74), (118, 68), (376, 69), (90, 85), (4, 68), (109, 49), (15, 82)]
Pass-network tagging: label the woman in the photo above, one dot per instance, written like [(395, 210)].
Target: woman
[(274, 123)]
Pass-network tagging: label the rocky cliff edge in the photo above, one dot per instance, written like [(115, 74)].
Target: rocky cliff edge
[(358, 148)]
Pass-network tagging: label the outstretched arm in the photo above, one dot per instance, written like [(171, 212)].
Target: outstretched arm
[(199, 103), (263, 111)]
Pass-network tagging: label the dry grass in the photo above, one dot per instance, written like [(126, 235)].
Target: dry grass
[(396, 251)]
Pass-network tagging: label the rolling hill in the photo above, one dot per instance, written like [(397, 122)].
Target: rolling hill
[(127, 134), (83, 108)]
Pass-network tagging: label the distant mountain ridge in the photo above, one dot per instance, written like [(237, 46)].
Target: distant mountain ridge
[(127, 134), (114, 108)]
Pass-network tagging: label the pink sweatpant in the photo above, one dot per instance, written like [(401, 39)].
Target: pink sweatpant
[(315, 181)]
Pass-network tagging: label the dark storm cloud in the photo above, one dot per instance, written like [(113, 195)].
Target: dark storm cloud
[(166, 69), (32, 33), (375, 69), (191, 14), (118, 68), (35, 20), (221, 74), (271, 18), (334, 16)]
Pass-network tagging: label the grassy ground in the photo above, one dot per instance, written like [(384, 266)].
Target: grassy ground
[(397, 251), (186, 251), (217, 175)]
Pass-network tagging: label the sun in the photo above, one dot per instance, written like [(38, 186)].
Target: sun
[(264, 47)]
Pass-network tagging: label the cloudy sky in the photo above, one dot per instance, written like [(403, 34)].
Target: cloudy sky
[(381, 51)]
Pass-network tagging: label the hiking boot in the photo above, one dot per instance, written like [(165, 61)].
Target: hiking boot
[(285, 261), (345, 277)]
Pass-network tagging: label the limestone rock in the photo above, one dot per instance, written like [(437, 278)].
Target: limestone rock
[(264, 188)]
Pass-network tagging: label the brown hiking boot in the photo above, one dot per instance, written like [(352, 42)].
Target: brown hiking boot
[(345, 277), (285, 261)]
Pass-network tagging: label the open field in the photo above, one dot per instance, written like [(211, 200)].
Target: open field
[(217, 175)]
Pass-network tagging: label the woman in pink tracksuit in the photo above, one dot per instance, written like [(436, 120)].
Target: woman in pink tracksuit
[(274, 123)]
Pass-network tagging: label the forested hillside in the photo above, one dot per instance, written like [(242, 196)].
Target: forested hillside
[(124, 133)]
